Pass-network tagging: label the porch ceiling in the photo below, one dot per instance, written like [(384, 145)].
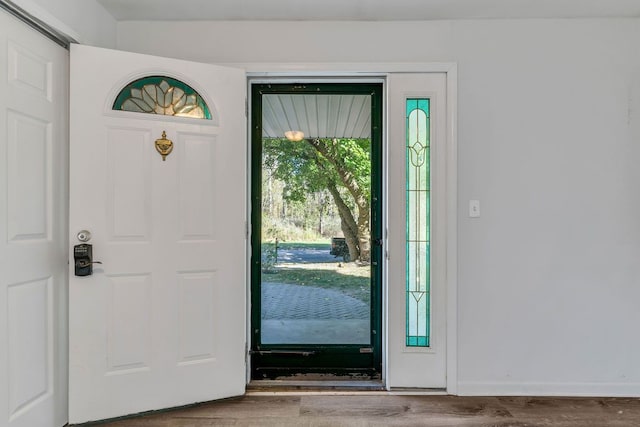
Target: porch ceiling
[(323, 116), (363, 10)]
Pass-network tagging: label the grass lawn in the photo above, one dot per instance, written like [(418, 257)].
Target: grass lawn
[(349, 278)]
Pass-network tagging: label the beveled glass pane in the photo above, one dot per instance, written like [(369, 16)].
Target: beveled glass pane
[(418, 130), (179, 98), (149, 94), (418, 230), (419, 270), (418, 178), (141, 106), (162, 95), (164, 86)]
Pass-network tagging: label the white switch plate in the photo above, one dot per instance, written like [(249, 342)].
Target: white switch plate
[(474, 208)]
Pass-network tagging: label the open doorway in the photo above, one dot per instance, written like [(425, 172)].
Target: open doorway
[(316, 231)]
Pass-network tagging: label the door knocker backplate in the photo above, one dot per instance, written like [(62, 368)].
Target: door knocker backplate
[(164, 146)]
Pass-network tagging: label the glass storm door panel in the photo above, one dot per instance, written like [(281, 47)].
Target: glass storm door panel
[(315, 216), (313, 292)]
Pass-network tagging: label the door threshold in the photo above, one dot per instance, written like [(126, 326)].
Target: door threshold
[(295, 386), (334, 388)]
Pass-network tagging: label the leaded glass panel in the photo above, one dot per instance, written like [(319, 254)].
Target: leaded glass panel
[(162, 95), (418, 200)]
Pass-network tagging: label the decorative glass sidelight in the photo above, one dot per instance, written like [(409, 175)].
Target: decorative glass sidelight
[(418, 201), (162, 95)]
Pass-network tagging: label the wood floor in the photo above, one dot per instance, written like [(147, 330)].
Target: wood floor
[(392, 410)]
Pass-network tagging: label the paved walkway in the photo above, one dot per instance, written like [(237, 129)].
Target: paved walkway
[(296, 314), (284, 301)]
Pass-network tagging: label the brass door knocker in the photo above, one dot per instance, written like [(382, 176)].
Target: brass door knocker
[(164, 146)]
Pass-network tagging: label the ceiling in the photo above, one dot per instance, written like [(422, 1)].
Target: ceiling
[(363, 10), (318, 116)]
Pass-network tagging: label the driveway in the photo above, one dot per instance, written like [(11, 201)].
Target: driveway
[(306, 256)]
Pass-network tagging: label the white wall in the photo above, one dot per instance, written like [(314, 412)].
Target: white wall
[(549, 141), (84, 20)]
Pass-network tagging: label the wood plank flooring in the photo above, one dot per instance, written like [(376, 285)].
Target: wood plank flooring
[(392, 410)]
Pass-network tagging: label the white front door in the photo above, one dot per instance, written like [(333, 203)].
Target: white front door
[(161, 322), (33, 249)]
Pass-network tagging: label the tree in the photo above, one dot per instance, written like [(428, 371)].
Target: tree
[(340, 166)]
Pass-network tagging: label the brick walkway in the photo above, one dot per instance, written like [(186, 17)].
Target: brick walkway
[(284, 301)]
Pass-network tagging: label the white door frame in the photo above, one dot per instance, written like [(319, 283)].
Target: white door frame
[(343, 72)]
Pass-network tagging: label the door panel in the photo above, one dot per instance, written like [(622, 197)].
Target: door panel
[(33, 151), (161, 322), (128, 171)]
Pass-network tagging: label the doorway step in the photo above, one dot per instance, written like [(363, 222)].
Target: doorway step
[(315, 383)]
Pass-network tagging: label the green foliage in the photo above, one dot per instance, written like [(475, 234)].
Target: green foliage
[(305, 171), (269, 257), (296, 229), (320, 183)]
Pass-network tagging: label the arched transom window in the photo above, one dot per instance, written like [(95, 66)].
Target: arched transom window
[(162, 95)]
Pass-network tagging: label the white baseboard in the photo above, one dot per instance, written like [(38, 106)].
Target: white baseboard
[(473, 388)]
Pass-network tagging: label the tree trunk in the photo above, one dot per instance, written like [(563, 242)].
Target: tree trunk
[(364, 235), (351, 239), (347, 223), (362, 202)]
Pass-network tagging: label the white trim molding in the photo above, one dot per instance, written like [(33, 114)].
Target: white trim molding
[(349, 69), (452, 229), (587, 389)]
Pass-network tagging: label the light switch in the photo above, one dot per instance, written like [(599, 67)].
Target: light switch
[(474, 208)]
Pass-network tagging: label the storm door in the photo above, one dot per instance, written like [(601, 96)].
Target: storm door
[(316, 231)]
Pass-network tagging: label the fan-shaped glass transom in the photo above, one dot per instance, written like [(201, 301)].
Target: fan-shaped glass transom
[(162, 95)]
